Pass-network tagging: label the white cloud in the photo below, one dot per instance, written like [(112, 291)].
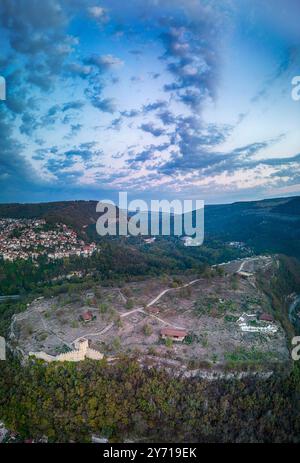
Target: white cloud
[(96, 12)]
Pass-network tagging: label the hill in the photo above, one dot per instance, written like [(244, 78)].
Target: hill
[(271, 225), (77, 214)]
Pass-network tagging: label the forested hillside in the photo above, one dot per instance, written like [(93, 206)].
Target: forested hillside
[(70, 402), (271, 225)]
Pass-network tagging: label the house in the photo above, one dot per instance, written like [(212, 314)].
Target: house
[(266, 317), (149, 240), (249, 323), (187, 240), (87, 316), (173, 333), (246, 318)]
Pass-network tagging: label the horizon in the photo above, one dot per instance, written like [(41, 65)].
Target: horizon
[(161, 99), (277, 198)]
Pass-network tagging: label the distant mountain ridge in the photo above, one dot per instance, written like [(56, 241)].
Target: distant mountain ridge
[(270, 225), (37, 210)]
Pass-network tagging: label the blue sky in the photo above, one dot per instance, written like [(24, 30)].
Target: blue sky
[(158, 98)]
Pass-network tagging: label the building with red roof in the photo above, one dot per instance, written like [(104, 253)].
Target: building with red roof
[(87, 316), (173, 333)]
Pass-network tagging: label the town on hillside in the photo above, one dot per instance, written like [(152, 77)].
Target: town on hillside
[(32, 238)]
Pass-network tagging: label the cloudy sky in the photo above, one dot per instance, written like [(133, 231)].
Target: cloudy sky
[(159, 98)]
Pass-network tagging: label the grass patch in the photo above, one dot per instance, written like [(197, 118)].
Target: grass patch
[(230, 318), (214, 306), (249, 356)]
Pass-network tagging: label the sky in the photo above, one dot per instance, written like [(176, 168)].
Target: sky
[(162, 99)]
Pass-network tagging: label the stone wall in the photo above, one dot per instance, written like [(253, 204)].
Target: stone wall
[(83, 351)]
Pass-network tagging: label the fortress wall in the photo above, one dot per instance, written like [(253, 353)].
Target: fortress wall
[(73, 356), (94, 354), (43, 356), (81, 345)]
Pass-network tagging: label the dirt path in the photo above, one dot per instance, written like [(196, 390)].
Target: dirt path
[(241, 266), (139, 309), (171, 289), (97, 333), (46, 328)]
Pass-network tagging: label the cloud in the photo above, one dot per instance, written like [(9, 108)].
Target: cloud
[(36, 31), (31, 122), (116, 124), (71, 164), (136, 52), (97, 83), (167, 117), (198, 151), (154, 75), (291, 57), (192, 58), (78, 69), (73, 105), (145, 155), (96, 12), (150, 128), (130, 113), (136, 79), (104, 62), (17, 174), (178, 45), (154, 106), (74, 130), (107, 105)]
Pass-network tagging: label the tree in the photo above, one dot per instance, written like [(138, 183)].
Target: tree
[(169, 343), (129, 304), (147, 329), (103, 307)]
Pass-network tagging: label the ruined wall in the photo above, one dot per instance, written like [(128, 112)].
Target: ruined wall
[(74, 356)]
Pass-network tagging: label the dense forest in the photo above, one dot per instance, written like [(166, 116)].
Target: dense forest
[(70, 402)]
